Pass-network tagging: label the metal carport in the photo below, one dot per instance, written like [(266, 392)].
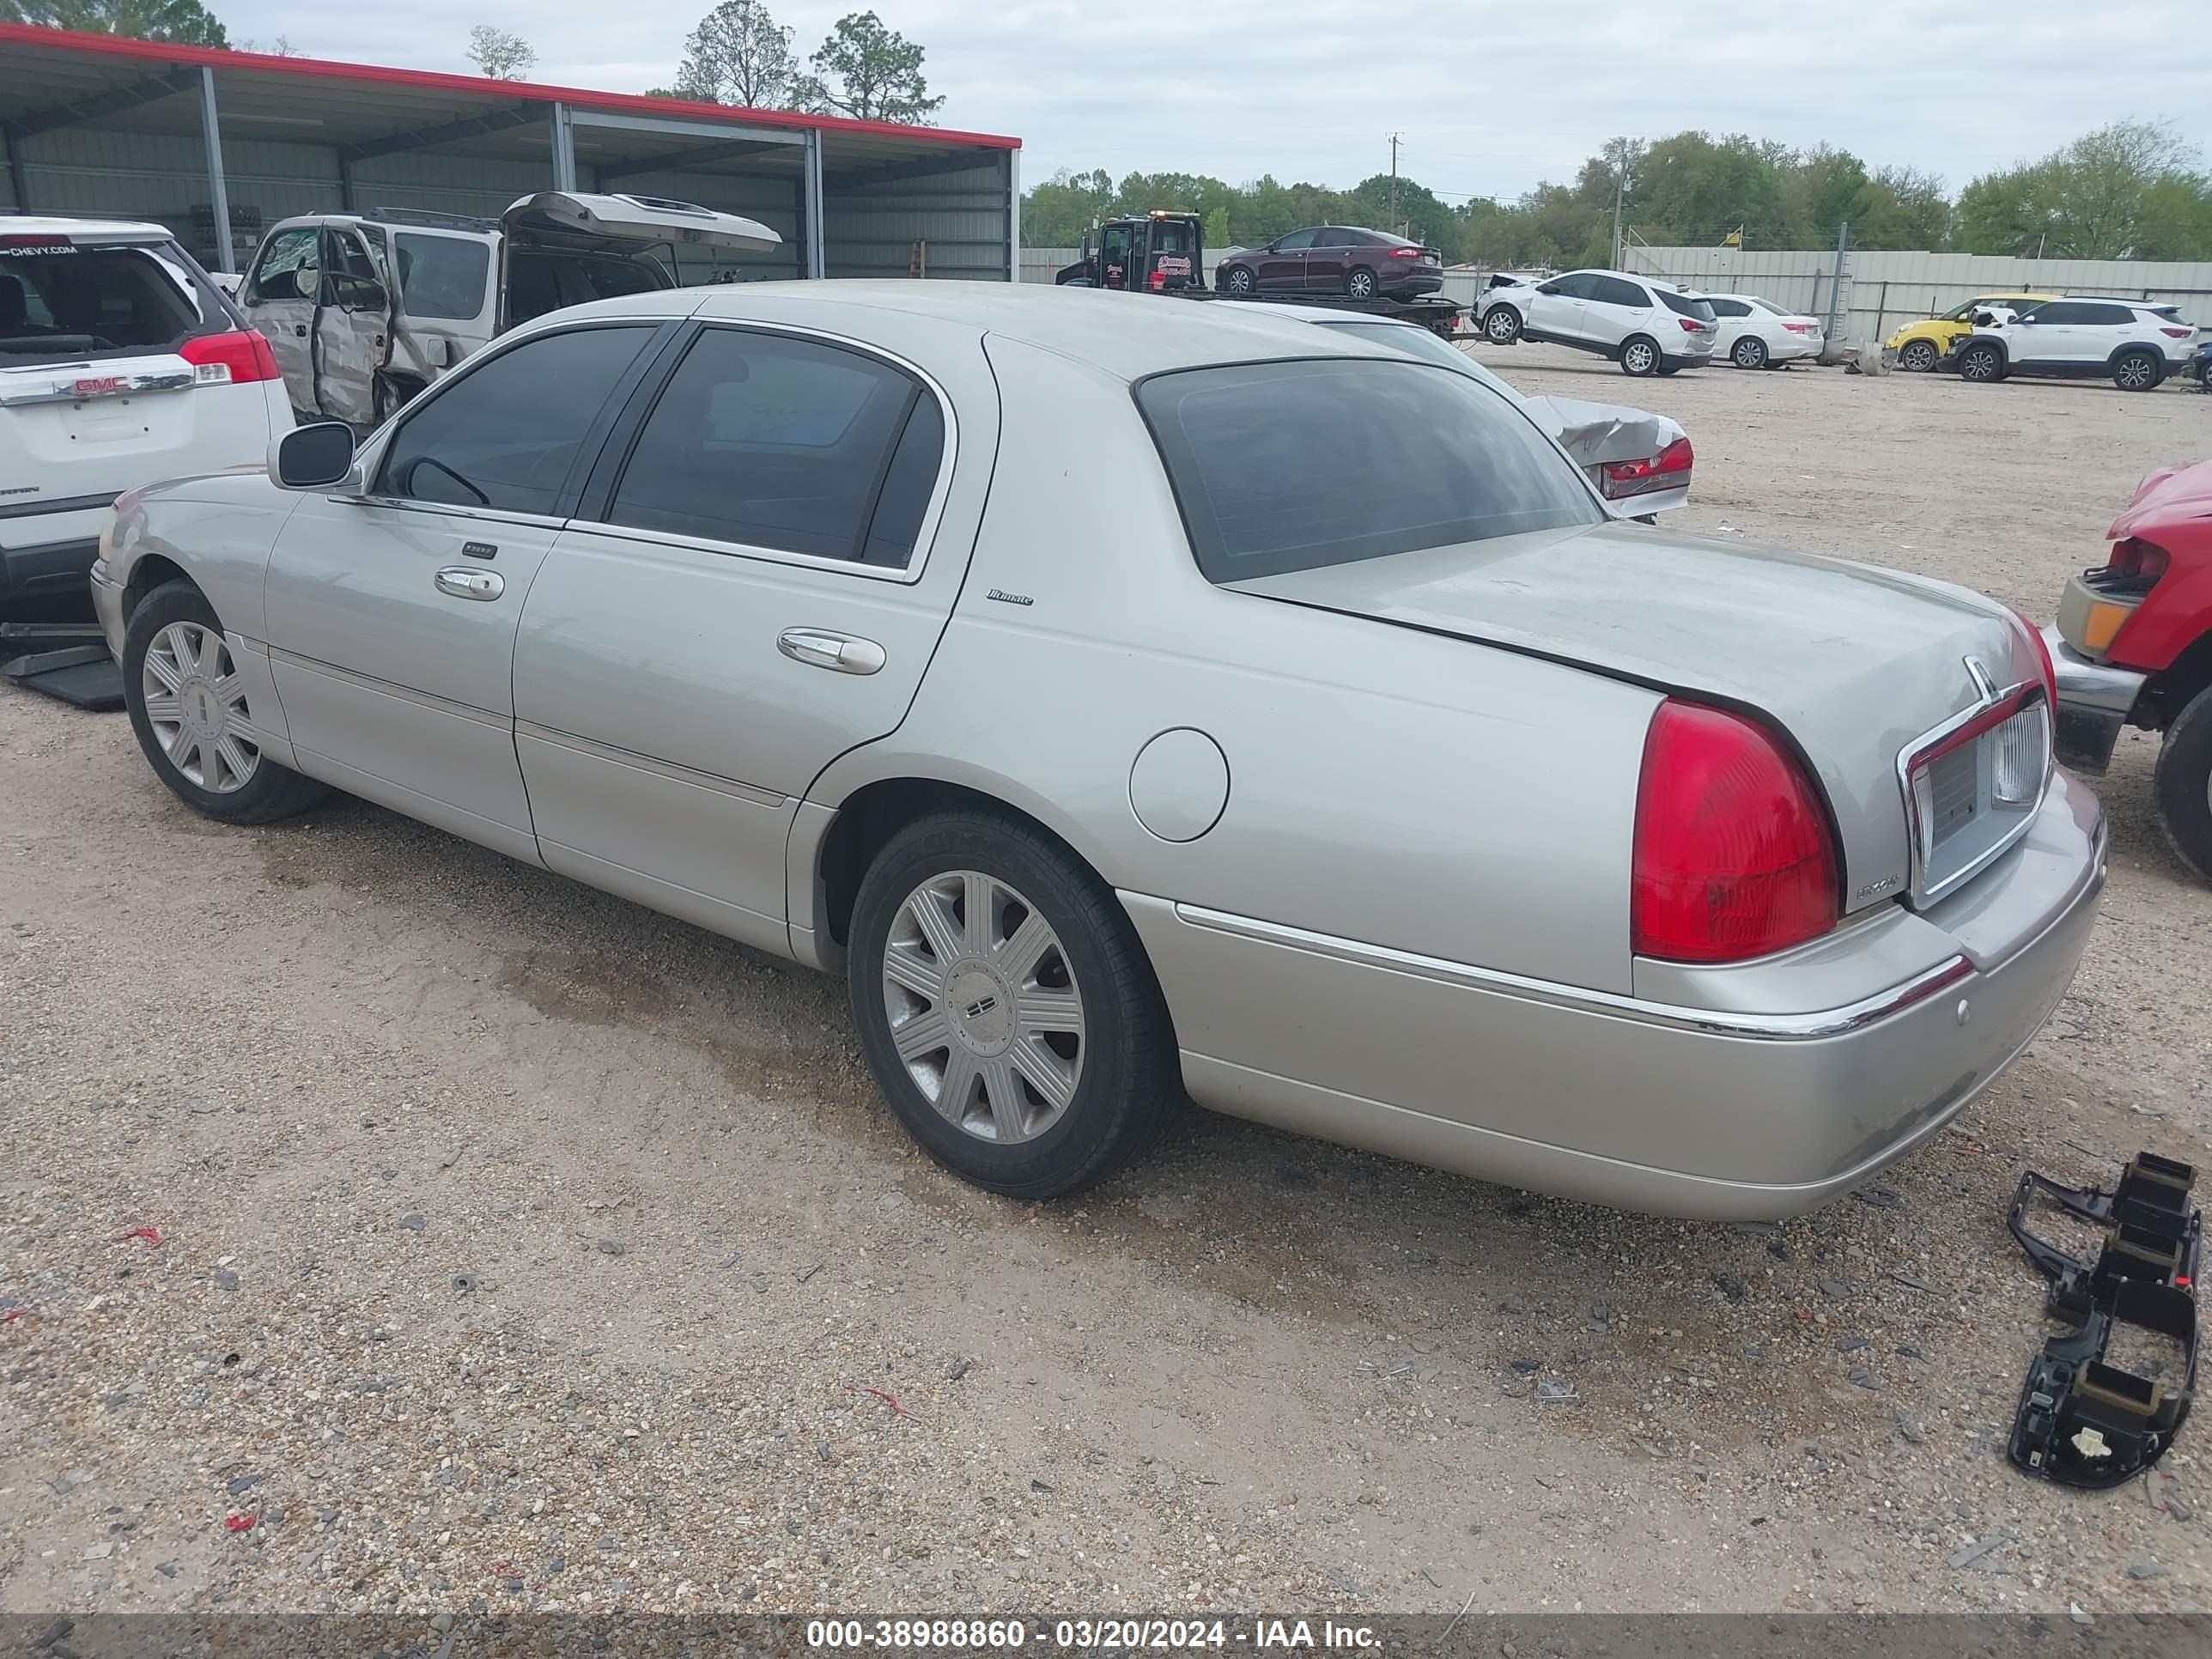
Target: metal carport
[(190, 137)]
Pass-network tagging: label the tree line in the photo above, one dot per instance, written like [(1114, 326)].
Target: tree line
[(739, 54), (2132, 190)]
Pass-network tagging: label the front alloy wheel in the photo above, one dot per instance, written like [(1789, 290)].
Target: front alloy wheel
[(984, 1009), (1980, 363), (1918, 356), (196, 705), (1501, 327)]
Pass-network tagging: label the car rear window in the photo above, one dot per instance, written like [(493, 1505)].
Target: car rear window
[(60, 301), (1685, 305), (1292, 465)]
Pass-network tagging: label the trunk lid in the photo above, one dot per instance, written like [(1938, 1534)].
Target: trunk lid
[(620, 223), (1855, 664)]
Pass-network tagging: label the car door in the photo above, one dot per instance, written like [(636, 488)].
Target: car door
[(1329, 259), (757, 591), (392, 613), (1617, 309), (2048, 335), (1734, 319), (1556, 308), (350, 330), (280, 300), (1281, 265)]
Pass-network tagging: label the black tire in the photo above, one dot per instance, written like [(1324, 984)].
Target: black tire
[(272, 792), (1129, 1087), (2138, 371), (1359, 283), (1640, 357), (1501, 326), (2182, 784), (1238, 279), (1750, 352), (1984, 364), (1918, 356)]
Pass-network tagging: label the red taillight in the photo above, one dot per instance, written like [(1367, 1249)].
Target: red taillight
[(1732, 856), (241, 355), (2177, 333), (2139, 561), (2049, 669), (1669, 469), (1691, 325), (1407, 252), (1799, 328)]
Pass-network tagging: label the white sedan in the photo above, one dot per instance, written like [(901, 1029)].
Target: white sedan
[(1758, 333)]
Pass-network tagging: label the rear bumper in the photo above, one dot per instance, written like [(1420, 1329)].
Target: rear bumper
[(2095, 702), (1635, 1104), (44, 572)]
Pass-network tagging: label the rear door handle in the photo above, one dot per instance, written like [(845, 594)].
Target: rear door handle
[(825, 650), (458, 581)]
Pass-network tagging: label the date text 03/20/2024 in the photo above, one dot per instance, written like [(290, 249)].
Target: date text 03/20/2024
[(1164, 1635)]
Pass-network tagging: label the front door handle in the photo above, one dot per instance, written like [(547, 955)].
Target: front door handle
[(458, 581), (825, 650), (299, 329)]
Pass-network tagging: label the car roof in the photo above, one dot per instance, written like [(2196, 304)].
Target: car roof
[(120, 230), (1126, 335)]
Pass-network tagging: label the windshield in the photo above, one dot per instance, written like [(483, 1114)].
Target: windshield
[(1283, 466), (61, 301)]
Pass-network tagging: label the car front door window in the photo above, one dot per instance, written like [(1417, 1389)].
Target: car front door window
[(507, 435)]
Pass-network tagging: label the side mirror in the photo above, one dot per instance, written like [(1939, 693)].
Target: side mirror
[(312, 457)]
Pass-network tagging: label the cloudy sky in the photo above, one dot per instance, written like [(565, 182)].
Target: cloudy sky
[(1489, 97)]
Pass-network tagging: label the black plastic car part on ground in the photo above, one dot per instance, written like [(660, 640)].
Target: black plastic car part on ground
[(63, 660), (2084, 1420)]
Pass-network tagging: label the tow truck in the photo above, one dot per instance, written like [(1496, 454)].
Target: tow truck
[(1164, 251)]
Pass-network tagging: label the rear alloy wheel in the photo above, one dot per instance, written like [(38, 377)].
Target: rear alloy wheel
[(192, 713), (1750, 352), (2137, 371), (1007, 1008), (1501, 326), (2182, 784), (1359, 283), (1984, 363), (1639, 356), (1238, 279)]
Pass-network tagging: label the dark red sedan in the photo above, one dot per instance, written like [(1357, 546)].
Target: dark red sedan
[(1334, 259)]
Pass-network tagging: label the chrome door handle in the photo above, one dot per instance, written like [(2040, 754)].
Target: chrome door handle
[(824, 649), (460, 582)]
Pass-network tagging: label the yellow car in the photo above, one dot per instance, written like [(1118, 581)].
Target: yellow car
[(1920, 346)]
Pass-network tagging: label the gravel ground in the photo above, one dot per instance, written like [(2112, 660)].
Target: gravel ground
[(517, 1248)]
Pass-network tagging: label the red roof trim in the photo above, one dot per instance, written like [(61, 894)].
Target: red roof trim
[(113, 46)]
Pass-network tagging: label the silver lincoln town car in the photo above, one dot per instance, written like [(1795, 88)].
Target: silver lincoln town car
[(1136, 701)]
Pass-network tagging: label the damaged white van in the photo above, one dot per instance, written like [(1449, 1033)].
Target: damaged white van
[(363, 310)]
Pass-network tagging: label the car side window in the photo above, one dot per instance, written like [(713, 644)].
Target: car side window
[(766, 441), (353, 279), (1295, 242), (1335, 237), (1730, 309), (1613, 291), (442, 277), (2108, 315), (1575, 285), (290, 266), (506, 435), (2060, 311)]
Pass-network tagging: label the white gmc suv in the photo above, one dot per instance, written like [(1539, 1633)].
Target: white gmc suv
[(121, 364)]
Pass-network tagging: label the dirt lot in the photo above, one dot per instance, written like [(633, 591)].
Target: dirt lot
[(521, 1249)]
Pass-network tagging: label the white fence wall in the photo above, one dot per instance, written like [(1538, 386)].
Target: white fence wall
[(1881, 291)]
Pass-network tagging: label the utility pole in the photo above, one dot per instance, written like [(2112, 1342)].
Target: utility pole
[(1620, 188), (1393, 181), (1836, 285)]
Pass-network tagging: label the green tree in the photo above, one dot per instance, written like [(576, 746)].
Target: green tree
[(738, 55), (1057, 212), (868, 72), (184, 22), (501, 56), (2114, 193), (1216, 229)]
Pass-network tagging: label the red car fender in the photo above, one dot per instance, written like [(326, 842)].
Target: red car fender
[(2172, 510)]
